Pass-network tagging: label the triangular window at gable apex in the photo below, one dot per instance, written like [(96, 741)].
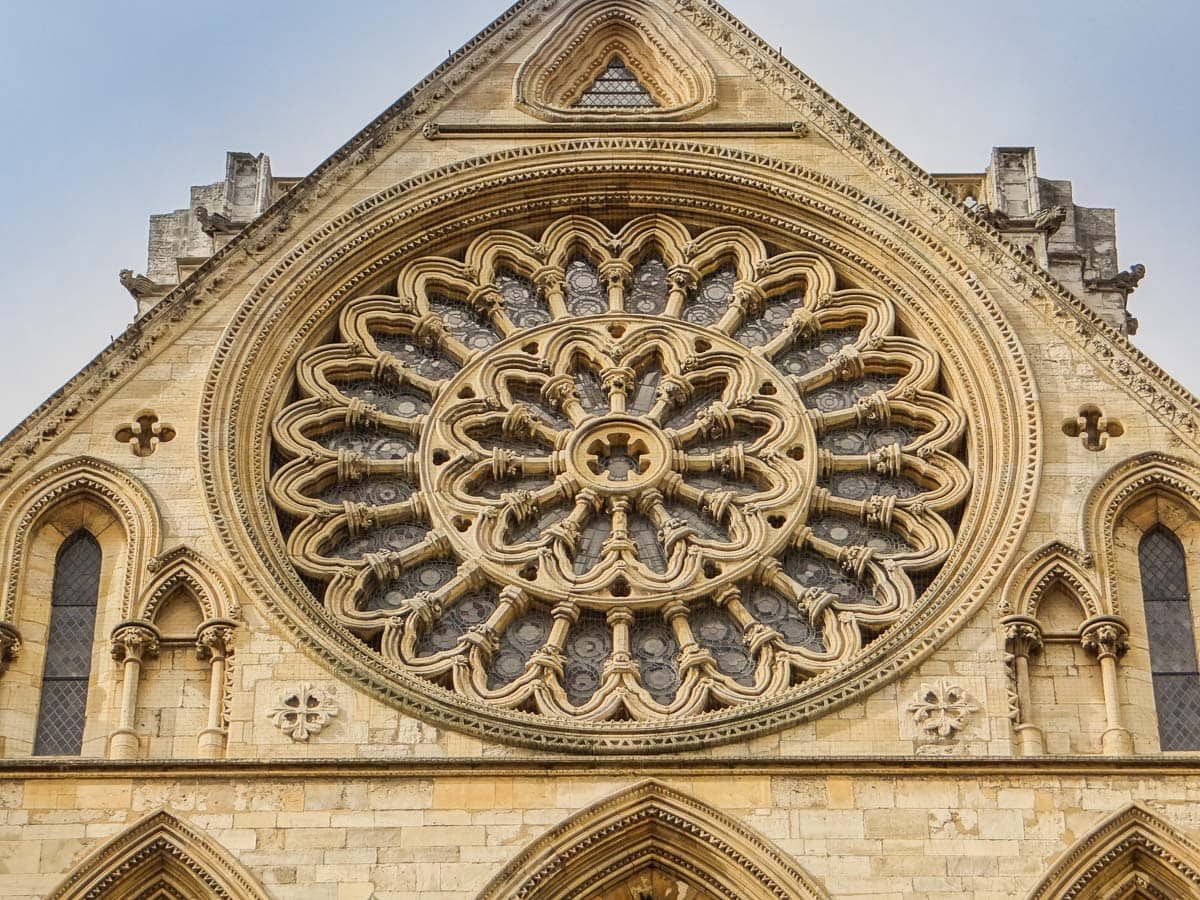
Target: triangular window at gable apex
[(616, 88)]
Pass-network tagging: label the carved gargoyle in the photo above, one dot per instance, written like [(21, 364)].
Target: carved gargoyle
[(140, 286), (215, 223), (1130, 278), (1126, 281), (1048, 221)]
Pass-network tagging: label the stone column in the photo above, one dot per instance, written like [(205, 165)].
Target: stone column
[(1023, 639), (10, 645), (1106, 637), (214, 642), (131, 643)]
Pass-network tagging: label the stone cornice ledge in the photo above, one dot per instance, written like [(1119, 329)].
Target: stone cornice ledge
[(638, 766)]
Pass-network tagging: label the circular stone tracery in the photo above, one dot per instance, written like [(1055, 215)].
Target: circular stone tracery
[(613, 477), (634, 499)]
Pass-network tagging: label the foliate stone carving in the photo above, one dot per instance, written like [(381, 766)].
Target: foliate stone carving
[(134, 640), (942, 709), (302, 712), (637, 467), (1105, 637), (215, 640), (1022, 637), (10, 645)]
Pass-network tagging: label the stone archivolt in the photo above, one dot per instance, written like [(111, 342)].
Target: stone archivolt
[(1131, 854), (551, 81), (159, 856), (644, 832), (619, 476)]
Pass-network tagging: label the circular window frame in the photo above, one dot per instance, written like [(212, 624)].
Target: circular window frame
[(794, 207)]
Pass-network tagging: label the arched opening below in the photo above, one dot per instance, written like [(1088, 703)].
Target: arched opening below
[(652, 843)]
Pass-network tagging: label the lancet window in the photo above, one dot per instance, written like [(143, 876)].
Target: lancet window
[(68, 665), (1170, 630)]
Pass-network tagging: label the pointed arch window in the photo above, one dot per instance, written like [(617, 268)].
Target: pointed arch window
[(68, 666), (1169, 625)]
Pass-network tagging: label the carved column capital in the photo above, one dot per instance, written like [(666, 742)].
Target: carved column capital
[(1105, 637), (1022, 636), (214, 639), (134, 640)]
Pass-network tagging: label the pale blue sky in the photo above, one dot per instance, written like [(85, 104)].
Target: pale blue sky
[(110, 110)]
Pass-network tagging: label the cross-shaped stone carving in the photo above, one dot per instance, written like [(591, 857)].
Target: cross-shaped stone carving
[(145, 434), (619, 457), (1093, 428)]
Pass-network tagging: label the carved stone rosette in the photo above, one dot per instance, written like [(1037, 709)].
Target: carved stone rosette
[(619, 476)]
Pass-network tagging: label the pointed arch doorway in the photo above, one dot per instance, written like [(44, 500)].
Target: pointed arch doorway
[(651, 842)]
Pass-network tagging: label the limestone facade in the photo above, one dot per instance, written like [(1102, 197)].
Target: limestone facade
[(685, 498)]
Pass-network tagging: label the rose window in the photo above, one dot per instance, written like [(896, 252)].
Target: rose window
[(617, 477)]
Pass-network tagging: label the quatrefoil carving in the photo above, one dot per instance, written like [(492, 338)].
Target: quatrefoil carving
[(145, 433), (1093, 428)]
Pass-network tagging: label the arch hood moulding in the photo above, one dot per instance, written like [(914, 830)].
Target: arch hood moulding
[(552, 80), (391, 288)]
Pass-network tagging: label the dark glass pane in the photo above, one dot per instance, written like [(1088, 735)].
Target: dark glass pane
[(72, 632), (60, 718), (656, 653), (523, 304), (1172, 642), (711, 298), (811, 570), (421, 578), (1163, 566), (587, 650), (756, 332), (521, 639), (616, 87), (421, 360), (1177, 698), (718, 633), (462, 615), (772, 608), (586, 295), (473, 332), (648, 294), (63, 703)]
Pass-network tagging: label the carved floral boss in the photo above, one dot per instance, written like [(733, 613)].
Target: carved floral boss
[(619, 476)]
